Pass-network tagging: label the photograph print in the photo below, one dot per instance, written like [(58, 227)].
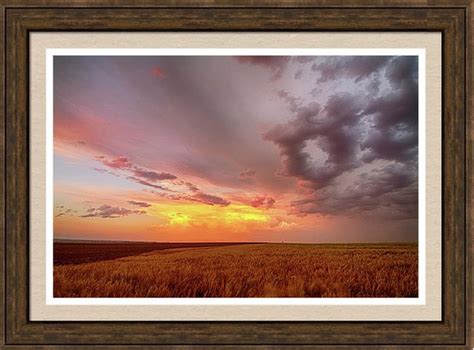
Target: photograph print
[(235, 176)]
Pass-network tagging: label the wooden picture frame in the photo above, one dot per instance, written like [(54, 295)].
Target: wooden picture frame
[(451, 18)]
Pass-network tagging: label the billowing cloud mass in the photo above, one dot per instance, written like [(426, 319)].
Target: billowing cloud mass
[(372, 140), (236, 148)]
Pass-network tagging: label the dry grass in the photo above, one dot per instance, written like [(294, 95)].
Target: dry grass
[(261, 270)]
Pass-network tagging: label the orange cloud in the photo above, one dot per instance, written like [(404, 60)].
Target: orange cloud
[(262, 201)]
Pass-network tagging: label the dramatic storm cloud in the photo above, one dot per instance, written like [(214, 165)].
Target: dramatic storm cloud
[(369, 143), (264, 148)]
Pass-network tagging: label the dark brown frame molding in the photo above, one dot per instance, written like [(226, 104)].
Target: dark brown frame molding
[(450, 17)]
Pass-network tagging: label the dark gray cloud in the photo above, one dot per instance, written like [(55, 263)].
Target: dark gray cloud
[(292, 101), (390, 191), (395, 132), (299, 74), (355, 67), (366, 156), (330, 128)]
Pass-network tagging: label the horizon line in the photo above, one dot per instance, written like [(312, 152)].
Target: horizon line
[(228, 242)]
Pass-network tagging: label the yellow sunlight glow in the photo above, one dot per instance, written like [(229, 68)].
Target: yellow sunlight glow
[(185, 214)]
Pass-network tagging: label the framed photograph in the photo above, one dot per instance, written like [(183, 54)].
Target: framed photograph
[(248, 175)]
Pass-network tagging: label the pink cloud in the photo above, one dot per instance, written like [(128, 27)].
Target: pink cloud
[(192, 187), (150, 178), (210, 199), (143, 176), (262, 201), (117, 163), (158, 72), (153, 176), (270, 202), (189, 185)]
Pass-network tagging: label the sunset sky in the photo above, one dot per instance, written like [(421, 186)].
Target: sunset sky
[(248, 148)]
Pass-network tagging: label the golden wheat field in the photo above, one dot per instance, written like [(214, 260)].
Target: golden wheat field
[(254, 270)]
